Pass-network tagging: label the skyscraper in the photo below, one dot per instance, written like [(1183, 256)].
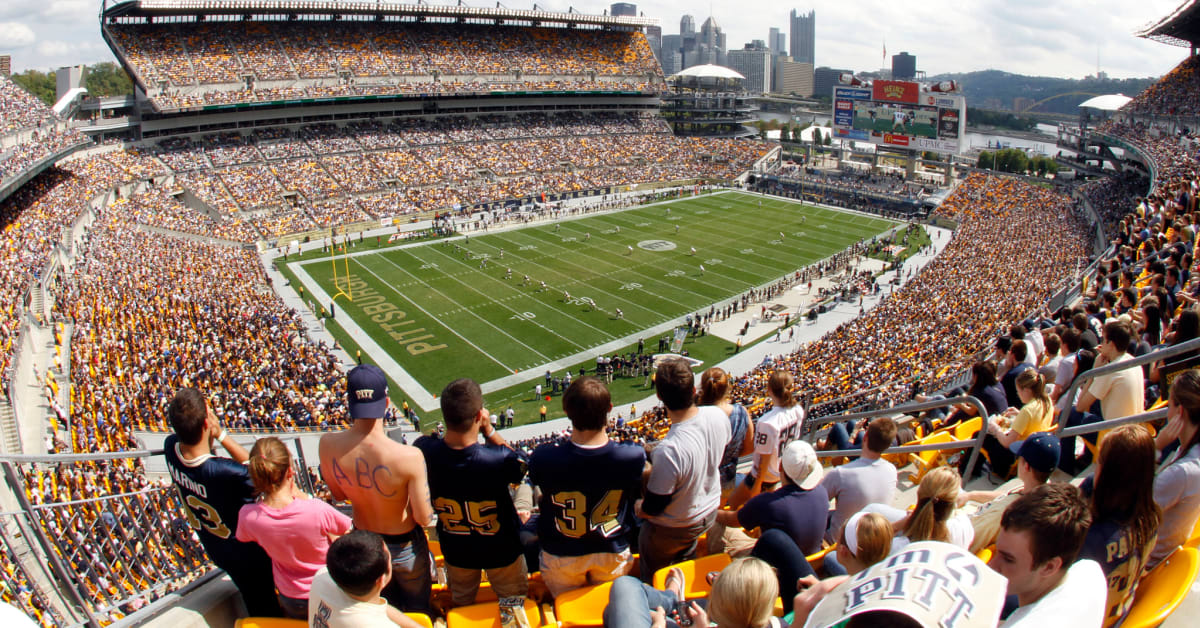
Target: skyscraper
[(623, 9), (904, 66), (754, 63), (804, 37), (687, 24), (776, 41)]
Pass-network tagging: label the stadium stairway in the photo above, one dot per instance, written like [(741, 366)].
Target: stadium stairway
[(9, 430)]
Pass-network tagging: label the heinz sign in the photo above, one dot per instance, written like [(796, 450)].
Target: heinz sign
[(896, 91)]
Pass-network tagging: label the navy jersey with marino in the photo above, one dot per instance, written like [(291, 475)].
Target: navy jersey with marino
[(213, 490), (587, 496), (477, 523)]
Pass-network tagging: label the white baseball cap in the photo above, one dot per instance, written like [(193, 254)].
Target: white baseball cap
[(801, 465)]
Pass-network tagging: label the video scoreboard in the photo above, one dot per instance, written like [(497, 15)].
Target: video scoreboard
[(900, 114)]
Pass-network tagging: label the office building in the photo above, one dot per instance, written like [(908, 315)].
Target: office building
[(904, 67), (623, 9), (776, 41), (754, 63), (654, 38), (804, 37), (824, 78), (792, 78)]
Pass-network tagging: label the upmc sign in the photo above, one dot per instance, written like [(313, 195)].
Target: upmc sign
[(896, 91)]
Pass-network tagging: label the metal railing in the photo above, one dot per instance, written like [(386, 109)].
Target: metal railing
[(1157, 355), (111, 540), (810, 425)]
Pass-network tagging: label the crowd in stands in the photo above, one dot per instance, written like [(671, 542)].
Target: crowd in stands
[(20, 112), (1112, 196), (1175, 94), (955, 305), (208, 64), (134, 539), (277, 181)]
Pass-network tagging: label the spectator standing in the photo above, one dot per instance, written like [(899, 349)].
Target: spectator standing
[(588, 485), (294, 529), (477, 521), (213, 491), (772, 432), (386, 484), (683, 490)]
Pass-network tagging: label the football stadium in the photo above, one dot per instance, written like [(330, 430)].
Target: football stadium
[(365, 313)]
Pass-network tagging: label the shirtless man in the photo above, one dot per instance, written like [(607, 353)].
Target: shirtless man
[(387, 486)]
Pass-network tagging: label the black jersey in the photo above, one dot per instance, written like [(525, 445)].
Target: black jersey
[(477, 523), (213, 491), (587, 496)]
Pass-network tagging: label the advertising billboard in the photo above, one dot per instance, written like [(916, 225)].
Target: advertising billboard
[(899, 114)]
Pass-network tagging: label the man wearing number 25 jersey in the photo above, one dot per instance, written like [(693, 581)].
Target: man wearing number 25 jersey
[(477, 523), (213, 490), (589, 485)]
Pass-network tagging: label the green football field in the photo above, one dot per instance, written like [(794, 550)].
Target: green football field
[(439, 311)]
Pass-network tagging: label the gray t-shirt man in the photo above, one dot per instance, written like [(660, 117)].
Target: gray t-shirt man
[(856, 484), (685, 466)]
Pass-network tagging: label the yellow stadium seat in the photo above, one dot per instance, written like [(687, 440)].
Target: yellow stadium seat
[(927, 460), (269, 622), (1162, 590), (421, 618), (487, 615), (985, 554), (694, 572), (817, 560), (582, 607)]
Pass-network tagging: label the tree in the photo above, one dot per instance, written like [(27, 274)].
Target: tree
[(785, 133), (987, 161), (107, 79), (40, 84), (816, 136), (829, 139)]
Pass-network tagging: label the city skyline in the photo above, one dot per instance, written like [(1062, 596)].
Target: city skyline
[(1018, 36)]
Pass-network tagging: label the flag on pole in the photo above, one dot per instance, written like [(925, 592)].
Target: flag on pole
[(884, 53)]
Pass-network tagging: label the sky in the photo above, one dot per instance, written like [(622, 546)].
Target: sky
[(1060, 38)]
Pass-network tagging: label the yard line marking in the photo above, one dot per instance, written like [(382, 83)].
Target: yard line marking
[(426, 312), (521, 294)]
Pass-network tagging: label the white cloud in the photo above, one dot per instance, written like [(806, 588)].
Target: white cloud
[(15, 35)]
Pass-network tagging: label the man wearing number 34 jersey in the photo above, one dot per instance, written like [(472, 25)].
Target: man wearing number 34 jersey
[(589, 485), (477, 522), (213, 490)]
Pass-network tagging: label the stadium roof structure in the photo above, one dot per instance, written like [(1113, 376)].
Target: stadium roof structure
[(1180, 28), (708, 71), (1108, 102), (163, 8)]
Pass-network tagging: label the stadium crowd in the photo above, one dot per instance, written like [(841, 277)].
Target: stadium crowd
[(208, 64), (21, 112), (277, 182), (228, 354), (1175, 94)]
